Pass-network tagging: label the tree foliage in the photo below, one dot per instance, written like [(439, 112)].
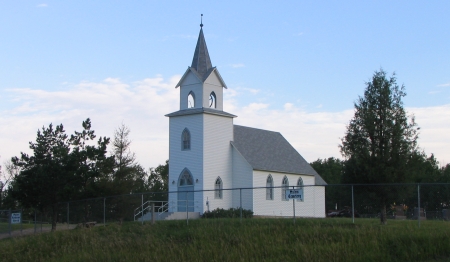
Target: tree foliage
[(59, 168), (380, 139), (331, 170), (127, 176), (6, 177), (157, 182)]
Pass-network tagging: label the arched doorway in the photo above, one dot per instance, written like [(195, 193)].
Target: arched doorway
[(185, 191)]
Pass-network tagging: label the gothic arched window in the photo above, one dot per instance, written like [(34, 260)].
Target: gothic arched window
[(218, 188), (191, 100), (186, 140), (269, 188), (212, 100), (284, 187), (185, 178)]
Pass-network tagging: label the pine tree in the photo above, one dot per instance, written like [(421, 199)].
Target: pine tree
[(380, 139)]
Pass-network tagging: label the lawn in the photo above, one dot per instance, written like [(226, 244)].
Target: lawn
[(232, 240), (4, 227)]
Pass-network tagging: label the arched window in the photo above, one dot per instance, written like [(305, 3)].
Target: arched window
[(284, 187), (186, 140), (300, 186), (191, 100), (212, 100), (218, 188), (269, 188), (185, 178)]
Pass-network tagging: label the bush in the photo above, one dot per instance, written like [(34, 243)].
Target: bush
[(229, 213)]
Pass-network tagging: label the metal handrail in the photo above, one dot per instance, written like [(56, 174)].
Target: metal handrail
[(147, 205)]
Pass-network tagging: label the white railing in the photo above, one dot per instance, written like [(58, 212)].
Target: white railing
[(146, 207)]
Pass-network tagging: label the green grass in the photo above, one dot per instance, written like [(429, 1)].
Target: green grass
[(4, 227), (230, 240)]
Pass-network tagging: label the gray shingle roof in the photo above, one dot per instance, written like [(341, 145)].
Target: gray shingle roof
[(192, 111), (270, 151), (201, 61)]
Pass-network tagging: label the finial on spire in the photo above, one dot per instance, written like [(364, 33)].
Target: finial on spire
[(201, 20)]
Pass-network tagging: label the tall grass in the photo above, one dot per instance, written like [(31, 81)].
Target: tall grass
[(230, 240)]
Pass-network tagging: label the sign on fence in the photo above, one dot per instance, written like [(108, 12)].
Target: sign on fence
[(294, 194), (15, 218)]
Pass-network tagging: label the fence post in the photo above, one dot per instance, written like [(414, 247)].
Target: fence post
[(104, 211), (240, 202), (418, 204), (353, 207), (21, 220), (9, 222), (35, 221), (187, 209), (153, 213), (142, 209), (68, 211), (293, 205)]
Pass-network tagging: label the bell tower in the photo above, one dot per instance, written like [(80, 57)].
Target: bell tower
[(200, 133), (201, 85)]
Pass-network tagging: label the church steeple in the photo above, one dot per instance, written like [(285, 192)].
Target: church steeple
[(201, 86), (201, 61)]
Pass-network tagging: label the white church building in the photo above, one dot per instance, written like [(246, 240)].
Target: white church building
[(208, 155)]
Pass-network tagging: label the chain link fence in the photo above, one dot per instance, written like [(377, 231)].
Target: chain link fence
[(10, 220), (420, 202)]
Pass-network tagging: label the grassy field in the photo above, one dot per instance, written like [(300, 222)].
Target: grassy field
[(230, 240), (4, 227)]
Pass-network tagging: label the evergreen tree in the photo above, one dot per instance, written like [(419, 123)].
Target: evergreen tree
[(45, 176), (380, 139), (59, 169)]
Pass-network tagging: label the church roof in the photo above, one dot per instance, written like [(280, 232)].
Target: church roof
[(270, 151), (201, 61), (201, 65), (201, 110)]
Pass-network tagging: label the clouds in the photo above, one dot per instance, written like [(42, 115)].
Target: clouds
[(237, 65), (141, 105)]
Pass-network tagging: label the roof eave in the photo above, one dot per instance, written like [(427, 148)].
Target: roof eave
[(190, 69)]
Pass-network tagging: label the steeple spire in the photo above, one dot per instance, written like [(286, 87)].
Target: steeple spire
[(201, 61)]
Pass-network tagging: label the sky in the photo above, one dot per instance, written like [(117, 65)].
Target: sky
[(296, 67)]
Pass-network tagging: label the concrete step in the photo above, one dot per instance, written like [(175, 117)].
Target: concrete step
[(170, 216)]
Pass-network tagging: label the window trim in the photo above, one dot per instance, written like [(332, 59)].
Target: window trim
[(183, 173), (193, 99), (214, 105), (269, 187), (218, 188), (284, 187), (186, 144)]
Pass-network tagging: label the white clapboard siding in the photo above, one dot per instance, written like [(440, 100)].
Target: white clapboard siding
[(191, 83), (191, 159), (242, 178), (312, 206), (218, 132), (213, 84)]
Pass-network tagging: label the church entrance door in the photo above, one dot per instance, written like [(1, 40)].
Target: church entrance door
[(185, 192)]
